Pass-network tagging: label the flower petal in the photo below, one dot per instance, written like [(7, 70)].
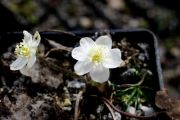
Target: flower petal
[(86, 43), (27, 37), (112, 59), (99, 74), (19, 63), (36, 39), (82, 67), (31, 61), (79, 54), (104, 40)]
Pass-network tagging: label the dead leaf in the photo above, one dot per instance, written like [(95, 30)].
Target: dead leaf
[(171, 105)]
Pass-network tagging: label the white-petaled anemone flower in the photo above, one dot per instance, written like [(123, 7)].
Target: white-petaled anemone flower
[(26, 51), (96, 57)]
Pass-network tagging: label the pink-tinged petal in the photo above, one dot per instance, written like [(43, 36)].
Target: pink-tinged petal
[(82, 67), (19, 63), (104, 40), (31, 61), (86, 43), (113, 59), (27, 37), (79, 53), (99, 74)]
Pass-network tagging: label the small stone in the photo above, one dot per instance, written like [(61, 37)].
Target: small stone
[(131, 110), (141, 57), (134, 23), (99, 109), (129, 72), (92, 117), (116, 114), (76, 84), (175, 52), (1, 90), (116, 4), (85, 22), (147, 110), (67, 108), (7, 55), (143, 46)]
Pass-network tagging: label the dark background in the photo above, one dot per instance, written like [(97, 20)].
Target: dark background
[(160, 16)]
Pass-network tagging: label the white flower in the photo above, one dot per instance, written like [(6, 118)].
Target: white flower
[(26, 51), (96, 57)]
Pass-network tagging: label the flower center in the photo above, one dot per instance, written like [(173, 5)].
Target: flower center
[(22, 50), (96, 56)]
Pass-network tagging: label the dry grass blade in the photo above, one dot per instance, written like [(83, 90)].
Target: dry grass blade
[(111, 110), (57, 47), (76, 111)]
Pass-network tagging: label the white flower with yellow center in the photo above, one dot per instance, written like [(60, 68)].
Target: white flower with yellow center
[(26, 51), (96, 57)]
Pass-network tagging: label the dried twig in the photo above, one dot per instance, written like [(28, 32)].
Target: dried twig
[(76, 111), (133, 85), (128, 114), (57, 47), (111, 110)]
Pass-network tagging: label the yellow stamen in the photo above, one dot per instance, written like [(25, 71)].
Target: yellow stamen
[(22, 50), (96, 56)]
